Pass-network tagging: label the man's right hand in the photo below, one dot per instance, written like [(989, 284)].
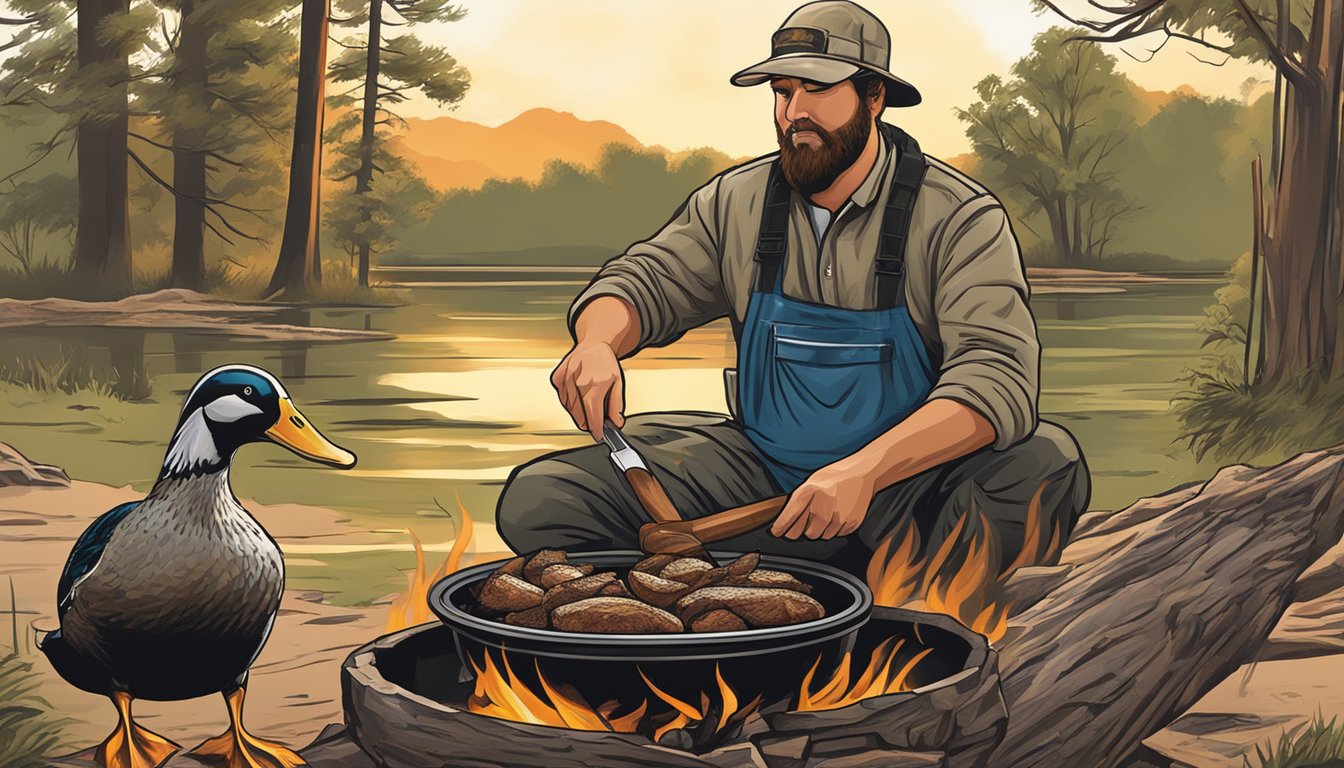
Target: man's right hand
[(591, 386)]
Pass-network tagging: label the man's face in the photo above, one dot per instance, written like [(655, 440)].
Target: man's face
[(821, 129)]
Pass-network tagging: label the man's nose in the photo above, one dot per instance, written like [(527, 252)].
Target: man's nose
[(797, 106)]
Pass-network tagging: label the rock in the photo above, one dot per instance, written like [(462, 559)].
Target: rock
[(15, 470)]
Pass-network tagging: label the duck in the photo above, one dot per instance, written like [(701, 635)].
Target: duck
[(173, 597)]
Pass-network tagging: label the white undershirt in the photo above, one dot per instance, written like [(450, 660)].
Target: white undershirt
[(821, 219)]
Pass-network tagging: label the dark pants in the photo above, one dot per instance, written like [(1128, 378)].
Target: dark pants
[(577, 500)]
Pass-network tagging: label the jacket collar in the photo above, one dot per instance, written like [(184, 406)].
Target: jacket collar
[(872, 186)]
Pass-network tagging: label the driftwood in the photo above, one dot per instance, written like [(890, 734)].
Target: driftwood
[(1152, 606)]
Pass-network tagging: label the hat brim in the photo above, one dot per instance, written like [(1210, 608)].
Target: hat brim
[(820, 68)]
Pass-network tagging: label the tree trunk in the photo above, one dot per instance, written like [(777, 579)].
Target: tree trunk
[(1303, 257), (188, 159), (102, 245), (1153, 606), (298, 246), (364, 176), (1059, 228)]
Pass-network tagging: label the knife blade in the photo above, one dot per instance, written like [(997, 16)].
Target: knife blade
[(647, 488)]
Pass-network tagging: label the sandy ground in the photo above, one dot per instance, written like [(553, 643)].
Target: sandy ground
[(295, 685)]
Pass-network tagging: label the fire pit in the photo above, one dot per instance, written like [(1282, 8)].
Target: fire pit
[(412, 701)]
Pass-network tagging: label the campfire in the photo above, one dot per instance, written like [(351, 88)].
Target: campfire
[(961, 579)]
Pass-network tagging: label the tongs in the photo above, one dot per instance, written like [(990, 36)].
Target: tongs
[(669, 533)]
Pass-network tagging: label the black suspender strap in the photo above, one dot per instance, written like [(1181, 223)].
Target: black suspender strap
[(890, 262), (773, 240)]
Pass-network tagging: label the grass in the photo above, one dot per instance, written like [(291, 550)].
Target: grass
[(1225, 417), (29, 728), (70, 373), (1321, 745)]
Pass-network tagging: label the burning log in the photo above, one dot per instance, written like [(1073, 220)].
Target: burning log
[(1152, 606)]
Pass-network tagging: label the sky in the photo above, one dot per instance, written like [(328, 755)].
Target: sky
[(660, 69)]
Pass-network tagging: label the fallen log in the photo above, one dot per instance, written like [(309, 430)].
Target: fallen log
[(1152, 606)]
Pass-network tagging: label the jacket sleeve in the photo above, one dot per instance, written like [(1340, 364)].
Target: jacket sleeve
[(991, 353), (672, 279)]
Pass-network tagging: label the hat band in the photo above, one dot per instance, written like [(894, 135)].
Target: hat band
[(812, 40)]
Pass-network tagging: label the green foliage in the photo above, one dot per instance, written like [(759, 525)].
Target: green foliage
[(1051, 137), (1224, 417), (29, 728), (70, 370), (1321, 745), (37, 213), (381, 196), (625, 198)]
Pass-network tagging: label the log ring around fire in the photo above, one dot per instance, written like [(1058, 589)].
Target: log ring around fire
[(955, 722)]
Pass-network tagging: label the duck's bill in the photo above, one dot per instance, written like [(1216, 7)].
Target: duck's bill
[(294, 432)]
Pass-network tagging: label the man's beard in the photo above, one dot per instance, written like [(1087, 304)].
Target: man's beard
[(811, 169)]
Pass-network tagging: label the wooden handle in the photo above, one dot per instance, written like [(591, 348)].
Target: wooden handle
[(651, 494), (737, 521)]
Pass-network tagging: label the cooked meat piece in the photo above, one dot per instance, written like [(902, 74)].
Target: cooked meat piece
[(757, 607), (576, 589), (720, 620), (512, 567), (536, 618), (614, 589), (614, 615), (684, 569), (655, 590), (559, 574), (654, 564), (540, 562), (744, 564), (503, 593), (769, 580)]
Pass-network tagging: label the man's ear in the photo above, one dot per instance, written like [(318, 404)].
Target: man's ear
[(878, 103)]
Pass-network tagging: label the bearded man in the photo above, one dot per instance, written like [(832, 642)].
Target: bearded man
[(887, 366)]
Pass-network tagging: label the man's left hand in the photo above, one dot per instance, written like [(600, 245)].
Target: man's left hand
[(832, 502)]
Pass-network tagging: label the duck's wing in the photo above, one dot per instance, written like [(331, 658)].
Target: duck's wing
[(86, 553)]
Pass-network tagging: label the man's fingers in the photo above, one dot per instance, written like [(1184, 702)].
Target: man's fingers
[(850, 527), (835, 528), (594, 406), (799, 526), (793, 509), (818, 522), (616, 402)]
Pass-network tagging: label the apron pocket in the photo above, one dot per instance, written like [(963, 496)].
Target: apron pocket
[(832, 385)]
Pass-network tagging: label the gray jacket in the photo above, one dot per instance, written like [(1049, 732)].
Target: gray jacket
[(965, 284)]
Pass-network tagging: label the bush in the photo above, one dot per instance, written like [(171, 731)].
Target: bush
[(29, 729), (1321, 745)]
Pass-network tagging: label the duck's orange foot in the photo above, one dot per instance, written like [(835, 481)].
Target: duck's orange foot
[(134, 747), (236, 748)]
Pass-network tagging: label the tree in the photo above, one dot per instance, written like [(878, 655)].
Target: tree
[(83, 74), (1052, 134), (1303, 326), (386, 72), (375, 220), (296, 266), (35, 209), (218, 115)]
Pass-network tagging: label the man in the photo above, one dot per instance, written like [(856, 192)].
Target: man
[(887, 358)]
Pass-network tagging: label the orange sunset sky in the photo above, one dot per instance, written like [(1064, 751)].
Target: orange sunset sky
[(660, 69)]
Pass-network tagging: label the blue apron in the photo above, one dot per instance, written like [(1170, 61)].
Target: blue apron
[(817, 383)]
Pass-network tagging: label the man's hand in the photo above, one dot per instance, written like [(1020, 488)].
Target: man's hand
[(832, 502), (591, 386)]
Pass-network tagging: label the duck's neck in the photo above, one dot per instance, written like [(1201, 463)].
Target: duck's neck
[(193, 450), (206, 490)]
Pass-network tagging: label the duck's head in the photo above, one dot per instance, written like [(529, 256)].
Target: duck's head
[(233, 405)]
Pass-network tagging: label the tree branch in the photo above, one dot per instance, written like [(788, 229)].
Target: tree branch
[(1291, 69), (174, 148)]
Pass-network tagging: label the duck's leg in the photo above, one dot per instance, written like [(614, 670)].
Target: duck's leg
[(236, 748), (131, 746)]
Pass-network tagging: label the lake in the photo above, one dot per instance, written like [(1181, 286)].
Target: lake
[(462, 395)]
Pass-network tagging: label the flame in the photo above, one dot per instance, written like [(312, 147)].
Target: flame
[(411, 607), (961, 578), (500, 693), (881, 678)]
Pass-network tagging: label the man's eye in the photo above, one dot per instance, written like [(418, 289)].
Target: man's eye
[(781, 92)]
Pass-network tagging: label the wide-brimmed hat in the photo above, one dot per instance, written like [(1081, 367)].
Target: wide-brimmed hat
[(829, 41)]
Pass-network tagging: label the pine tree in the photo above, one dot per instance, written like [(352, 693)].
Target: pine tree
[(385, 72)]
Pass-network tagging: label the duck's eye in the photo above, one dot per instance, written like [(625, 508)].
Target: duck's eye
[(247, 390)]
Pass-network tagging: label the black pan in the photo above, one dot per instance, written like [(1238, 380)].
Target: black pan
[(770, 661)]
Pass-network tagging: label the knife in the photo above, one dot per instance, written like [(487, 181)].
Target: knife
[(647, 488)]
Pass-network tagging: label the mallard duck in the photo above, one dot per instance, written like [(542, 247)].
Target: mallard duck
[(172, 597)]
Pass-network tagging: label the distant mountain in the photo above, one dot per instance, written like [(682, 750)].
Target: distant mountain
[(458, 153)]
